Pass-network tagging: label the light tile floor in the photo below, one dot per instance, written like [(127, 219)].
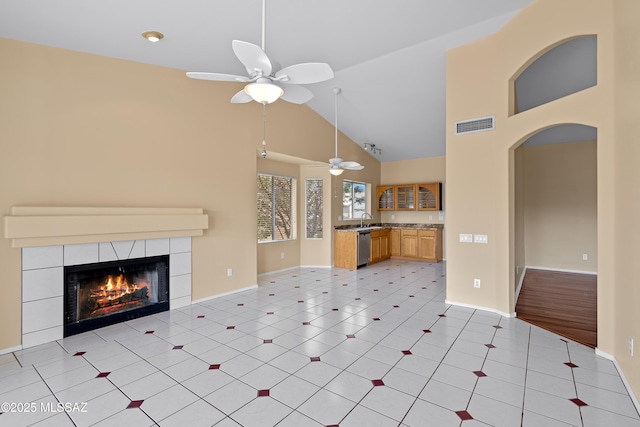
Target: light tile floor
[(318, 347)]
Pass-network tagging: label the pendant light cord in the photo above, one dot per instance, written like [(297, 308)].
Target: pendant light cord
[(264, 20), (336, 91)]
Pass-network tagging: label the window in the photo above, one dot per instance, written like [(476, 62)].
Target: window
[(354, 199), (276, 208), (313, 187)]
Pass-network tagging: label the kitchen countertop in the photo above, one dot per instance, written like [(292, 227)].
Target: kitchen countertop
[(378, 226)]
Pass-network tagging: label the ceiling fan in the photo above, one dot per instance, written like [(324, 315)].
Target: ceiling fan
[(267, 85), (336, 164)]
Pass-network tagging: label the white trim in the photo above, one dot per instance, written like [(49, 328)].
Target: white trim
[(315, 266), (477, 307), (277, 271), (10, 349), (563, 270), (224, 294), (519, 288), (621, 372)]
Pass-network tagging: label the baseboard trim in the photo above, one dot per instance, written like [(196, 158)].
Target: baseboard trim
[(316, 266), (477, 307), (224, 294), (10, 349), (519, 288), (608, 356), (278, 271), (562, 270)]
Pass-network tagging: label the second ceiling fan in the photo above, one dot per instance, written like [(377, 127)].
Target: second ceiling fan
[(267, 85)]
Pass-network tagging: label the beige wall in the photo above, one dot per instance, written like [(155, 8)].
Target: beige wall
[(560, 206), (86, 130), (481, 166)]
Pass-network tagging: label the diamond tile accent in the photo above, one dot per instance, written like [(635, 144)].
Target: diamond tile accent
[(497, 326), (269, 312), (178, 347), (315, 359), (426, 331), (272, 295), (231, 327), (442, 315), (149, 332), (240, 305), (334, 309), (306, 323), (201, 316), (377, 383), (358, 299), (216, 366), (396, 306), (300, 301), (263, 393), (103, 375), (571, 365), (578, 402), (351, 336), (464, 415), (376, 318), (135, 404), (490, 346), (480, 374), (267, 341), (80, 353), (406, 352)]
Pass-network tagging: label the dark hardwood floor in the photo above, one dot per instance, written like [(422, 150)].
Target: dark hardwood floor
[(564, 303)]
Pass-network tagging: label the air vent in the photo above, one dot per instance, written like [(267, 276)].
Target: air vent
[(476, 125)]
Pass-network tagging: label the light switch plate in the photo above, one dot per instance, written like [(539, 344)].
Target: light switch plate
[(466, 238), (480, 238)]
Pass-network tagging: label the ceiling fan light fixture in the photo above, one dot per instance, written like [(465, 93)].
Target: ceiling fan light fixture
[(264, 93), (335, 171), (153, 36)]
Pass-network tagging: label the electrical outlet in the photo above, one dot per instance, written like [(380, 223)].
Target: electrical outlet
[(229, 272), (430, 217), (631, 346), (281, 255), (585, 257), (476, 283), (441, 215), (393, 216)]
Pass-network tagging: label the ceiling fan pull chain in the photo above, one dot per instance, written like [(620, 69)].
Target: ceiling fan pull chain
[(264, 24), (264, 131)]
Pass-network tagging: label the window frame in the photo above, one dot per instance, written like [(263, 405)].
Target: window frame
[(365, 201)]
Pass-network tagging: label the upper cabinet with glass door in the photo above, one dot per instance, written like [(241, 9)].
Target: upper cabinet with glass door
[(406, 197), (385, 198), (429, 196)]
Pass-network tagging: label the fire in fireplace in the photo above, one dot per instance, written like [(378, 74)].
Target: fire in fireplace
[(102, 294)]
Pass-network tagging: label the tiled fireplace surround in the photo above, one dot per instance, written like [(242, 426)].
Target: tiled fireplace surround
[(43, 278)]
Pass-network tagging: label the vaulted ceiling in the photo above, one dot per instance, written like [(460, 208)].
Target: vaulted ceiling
[(388, 57)]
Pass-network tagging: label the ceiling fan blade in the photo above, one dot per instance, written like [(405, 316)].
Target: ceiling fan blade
[(352, 168), (241, 97), (310, 72), (335, 161), (296, 94), (216, 77), (351, 165), (252, 57)]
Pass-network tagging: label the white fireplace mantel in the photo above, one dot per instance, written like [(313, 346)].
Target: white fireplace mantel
[(32, 226)]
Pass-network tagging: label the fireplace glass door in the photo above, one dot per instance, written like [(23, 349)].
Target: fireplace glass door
[(102, 294)]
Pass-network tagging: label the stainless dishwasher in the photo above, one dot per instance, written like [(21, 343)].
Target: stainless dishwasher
[(364, 247)]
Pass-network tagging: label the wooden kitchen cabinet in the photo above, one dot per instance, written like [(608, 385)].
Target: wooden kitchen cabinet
[(395, 242), (429, 196), (345, 249), (427, 244), (380, 249), (405, 197), (385, 197), (409, 197), (409, 243), (385, 244)]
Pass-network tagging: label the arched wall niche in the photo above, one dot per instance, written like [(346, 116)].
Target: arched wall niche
[(561, 69)]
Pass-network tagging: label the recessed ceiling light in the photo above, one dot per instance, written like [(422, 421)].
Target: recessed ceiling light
[(152, 36)]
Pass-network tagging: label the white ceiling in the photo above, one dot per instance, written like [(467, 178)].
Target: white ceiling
[(388, 56)]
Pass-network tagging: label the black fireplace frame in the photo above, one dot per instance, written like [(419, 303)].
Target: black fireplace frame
[(77, 327)]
